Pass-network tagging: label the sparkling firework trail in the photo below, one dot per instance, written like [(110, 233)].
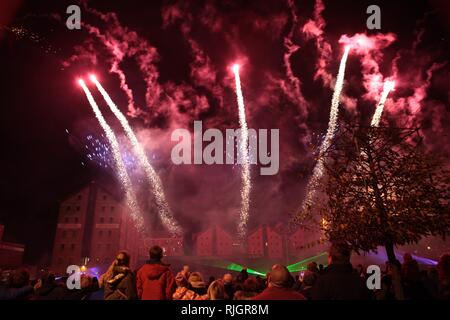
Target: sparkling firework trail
[(332, 124), (388, 87), (163, 208), (246, 183), (121, 170)]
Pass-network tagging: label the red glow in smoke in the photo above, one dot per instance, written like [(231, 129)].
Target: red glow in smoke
[(92, 77), (389, 85), (235, 67)]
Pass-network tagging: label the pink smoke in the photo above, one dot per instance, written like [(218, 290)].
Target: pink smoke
[(369, 48)]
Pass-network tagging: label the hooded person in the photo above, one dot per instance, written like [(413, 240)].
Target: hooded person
[(119, 281), (154, 279), (193, 289)]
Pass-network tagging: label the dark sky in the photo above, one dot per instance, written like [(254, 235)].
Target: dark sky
[(40, 60)]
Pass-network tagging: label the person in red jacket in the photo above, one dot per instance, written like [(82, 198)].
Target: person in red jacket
[(280, 284), (154, 280)]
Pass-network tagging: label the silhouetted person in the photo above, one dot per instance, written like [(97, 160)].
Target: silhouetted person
[(444, 276), (229, 286), (339, 282), (119, 282), (48, 289)]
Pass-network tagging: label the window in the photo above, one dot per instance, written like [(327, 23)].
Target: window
[(64, 233), (79, 197), (108, 246), (78, 208), (66, 220), (68, 208), (61, 247), (109, 233), (72, 246), (100, 233), (104, 197), (60, 261), (112, 209), (74, 234), (111, 219), (103, 209), (102, 219), (76, 219)]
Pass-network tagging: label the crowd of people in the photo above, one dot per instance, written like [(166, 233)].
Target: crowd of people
[(155, 281)]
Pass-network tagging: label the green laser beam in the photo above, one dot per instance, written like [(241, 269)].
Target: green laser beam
[(301, 265)]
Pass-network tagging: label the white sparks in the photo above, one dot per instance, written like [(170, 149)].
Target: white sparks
[(164, 211), (332, 125), (120, 167), (388, 87), (246, 183)]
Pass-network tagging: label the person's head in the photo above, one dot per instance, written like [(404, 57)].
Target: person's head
[(20, 278), (196, 280), (85, 281), (280, 277), (228, 278), (185, 269), (156, 253), (443, 267), (320, 267), (339, 254), (181, 280), (251, 285), (393, 268), (216, 290), (123, 259), (47, 278), (309, 278), (312, 266)]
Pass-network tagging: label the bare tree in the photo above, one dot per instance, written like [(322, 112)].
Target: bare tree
[(382, 188)]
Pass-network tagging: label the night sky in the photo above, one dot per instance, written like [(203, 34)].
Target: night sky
[(176, 57)]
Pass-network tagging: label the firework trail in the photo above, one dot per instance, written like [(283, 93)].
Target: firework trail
[(246, 183), (163, 207), (121, 170), (319, 168), (388, 87)]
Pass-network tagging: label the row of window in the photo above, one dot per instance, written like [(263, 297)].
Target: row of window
[(77, 208), (67, 220), (102, 219), (76, 219), (73, 233), (100, 233), (68, 208), (62, 246), (80, 196)]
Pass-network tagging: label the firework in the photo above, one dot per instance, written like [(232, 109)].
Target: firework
[(163, 208), (332, 124), (388, 87), (243, 145), (120, 167)]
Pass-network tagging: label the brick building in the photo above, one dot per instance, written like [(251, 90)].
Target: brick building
[(213, 241), (265, 241), (11, 254), (93, 224)]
